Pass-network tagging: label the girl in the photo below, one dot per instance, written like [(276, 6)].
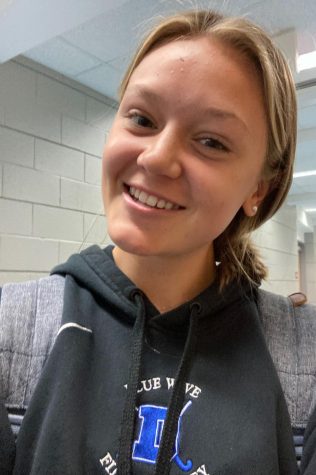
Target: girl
[(160, 365)]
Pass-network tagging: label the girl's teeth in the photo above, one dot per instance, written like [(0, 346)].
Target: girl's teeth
[(161, 204), (142, 197), (151, 200)]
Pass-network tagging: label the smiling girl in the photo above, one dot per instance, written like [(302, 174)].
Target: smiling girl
[(160, 365), (187, 151)]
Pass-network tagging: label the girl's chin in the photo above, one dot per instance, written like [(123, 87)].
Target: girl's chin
[(132, 244)]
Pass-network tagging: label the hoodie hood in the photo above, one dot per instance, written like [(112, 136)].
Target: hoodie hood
[(95, 269)]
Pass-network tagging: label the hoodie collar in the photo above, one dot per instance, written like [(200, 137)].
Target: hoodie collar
[(95, 269)]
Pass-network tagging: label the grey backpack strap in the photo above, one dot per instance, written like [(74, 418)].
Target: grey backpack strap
[(290, 333), (30, 316)]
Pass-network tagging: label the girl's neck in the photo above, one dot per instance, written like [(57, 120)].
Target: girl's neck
[(168, 281)]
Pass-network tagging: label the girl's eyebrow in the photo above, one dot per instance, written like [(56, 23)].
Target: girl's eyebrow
[(213, 112), (144, 92), (222, 114)]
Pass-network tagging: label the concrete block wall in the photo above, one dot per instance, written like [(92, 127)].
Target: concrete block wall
[(277, 243), (310, 265), (52, 132)]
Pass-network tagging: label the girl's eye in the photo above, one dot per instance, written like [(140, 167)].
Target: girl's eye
[(141, 120), (213, 143)]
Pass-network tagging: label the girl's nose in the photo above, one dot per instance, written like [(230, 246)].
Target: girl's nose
[(161, 155)]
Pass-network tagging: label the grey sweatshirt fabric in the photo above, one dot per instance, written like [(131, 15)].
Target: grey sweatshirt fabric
[(290, 334), (30, 315)]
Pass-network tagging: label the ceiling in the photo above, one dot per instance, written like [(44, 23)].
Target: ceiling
[(91, 42)]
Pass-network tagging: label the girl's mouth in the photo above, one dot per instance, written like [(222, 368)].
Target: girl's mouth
[(150, 200)]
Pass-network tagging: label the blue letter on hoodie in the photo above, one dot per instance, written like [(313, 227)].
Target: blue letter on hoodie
[(146, 448)]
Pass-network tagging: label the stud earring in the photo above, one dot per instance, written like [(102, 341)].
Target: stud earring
[(254, 209)]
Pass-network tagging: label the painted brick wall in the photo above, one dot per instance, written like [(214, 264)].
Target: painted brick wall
[(52, 132), (310, 266), (277, 242)]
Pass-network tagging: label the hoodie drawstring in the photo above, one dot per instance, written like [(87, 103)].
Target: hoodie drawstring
[(170, 428), (124, 465), (167, 443)]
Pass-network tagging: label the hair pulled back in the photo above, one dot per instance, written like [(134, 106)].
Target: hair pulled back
[(233, 248)]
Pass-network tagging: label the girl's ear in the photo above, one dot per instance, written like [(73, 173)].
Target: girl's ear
[(252, 203)]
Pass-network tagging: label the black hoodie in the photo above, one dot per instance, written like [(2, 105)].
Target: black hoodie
[(7, 445), (128, 390)]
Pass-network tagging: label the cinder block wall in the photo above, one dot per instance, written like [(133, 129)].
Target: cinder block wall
[(52, 132), (310, 265), (277, 242)]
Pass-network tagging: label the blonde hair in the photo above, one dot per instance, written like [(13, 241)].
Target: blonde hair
[(233, 248)]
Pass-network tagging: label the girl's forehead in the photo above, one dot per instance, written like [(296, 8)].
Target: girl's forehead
[(201, 68), (184, 51), (198, 57)]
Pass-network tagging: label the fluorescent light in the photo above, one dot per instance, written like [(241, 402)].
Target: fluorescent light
[(306, 61), (307, 173), (310, 210)]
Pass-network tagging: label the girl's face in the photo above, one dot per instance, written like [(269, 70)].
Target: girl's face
[(186, 149)]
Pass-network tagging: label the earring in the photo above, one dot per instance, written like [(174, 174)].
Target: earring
[(254, 209)]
